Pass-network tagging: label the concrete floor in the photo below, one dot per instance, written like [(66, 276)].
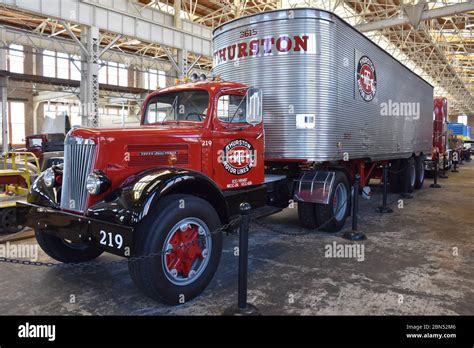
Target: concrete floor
[(409, 268)]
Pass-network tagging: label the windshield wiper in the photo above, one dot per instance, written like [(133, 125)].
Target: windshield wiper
[(237, 109), (172, 108)]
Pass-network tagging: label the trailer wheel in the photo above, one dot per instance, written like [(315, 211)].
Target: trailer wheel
[(181, 230), (307, 215), (420, 172), (332, 217), (408, 175), (63, 250)]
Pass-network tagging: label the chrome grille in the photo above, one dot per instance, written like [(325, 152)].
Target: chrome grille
[(79, 155)]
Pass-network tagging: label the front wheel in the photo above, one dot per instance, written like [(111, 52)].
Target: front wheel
[(180, 233), (64, 250)]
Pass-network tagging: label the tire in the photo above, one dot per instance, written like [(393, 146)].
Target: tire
[(393, 176), (407, 176), (325, 213), (307, 215), (8, 222), (420, 172), (65, 252), (163, 226)]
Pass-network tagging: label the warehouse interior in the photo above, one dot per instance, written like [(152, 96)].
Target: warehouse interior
[(92, 63)]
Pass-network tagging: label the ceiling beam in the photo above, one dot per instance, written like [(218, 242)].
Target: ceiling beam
[(426, 15)]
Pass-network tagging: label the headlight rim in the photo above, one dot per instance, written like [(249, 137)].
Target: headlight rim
[(46, 178), (102, 183)]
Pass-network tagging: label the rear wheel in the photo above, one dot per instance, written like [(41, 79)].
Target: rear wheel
[(64, 250), (420, 172), (307, 215), (332, 217), (181, 231), (408, 175)]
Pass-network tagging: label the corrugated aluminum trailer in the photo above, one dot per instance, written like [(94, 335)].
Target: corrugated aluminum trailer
[(328, 90)]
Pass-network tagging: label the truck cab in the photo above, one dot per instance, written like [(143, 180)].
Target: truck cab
[(163, 187)]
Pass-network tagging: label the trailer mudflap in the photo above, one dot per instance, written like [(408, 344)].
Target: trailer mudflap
[(314, 186), (110, 237)]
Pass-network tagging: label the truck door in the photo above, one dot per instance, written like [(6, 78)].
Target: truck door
[(238, 147)]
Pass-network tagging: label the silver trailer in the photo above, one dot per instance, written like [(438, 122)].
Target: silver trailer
[(329, 92)]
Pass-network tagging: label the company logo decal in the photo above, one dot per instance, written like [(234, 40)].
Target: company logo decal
[(238, 157), (366, 78)]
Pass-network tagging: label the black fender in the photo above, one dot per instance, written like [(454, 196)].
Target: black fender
[(139, 194), (40, 194)]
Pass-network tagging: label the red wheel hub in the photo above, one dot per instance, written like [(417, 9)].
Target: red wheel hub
[(185, 250)]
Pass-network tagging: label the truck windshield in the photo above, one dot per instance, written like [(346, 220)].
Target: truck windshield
[(177, 106)]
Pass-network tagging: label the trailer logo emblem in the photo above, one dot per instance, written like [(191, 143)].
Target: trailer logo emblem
[(366, 78), (238, 157)]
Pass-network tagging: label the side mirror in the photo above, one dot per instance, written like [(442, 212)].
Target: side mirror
[(254, 106)]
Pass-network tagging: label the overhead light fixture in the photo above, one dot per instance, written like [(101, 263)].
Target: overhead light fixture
[(469, 26)]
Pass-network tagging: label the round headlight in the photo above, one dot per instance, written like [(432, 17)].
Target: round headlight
[(48, 177), (97, 182), (93, 184)]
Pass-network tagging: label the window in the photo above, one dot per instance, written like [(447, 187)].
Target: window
[(62, 64), (17, 122), (231, 108), (76, 68), (49, 63), (16, 59), (154, 79), (462, 119), (112, 73), (123, 75), (178, 106)]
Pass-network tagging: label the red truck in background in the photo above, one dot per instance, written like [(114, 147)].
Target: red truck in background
[(441, 152)]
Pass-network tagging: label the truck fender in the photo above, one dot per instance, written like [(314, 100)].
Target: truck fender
[(137, 196)]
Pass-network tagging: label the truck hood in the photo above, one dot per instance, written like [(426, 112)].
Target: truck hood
[(143, 134)]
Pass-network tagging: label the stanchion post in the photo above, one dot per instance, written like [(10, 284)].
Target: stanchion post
[(384, 209), (435, 181), (354, 234), (355, 202), (243, 308)]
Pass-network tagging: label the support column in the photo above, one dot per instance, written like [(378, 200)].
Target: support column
[(181, 55), (89, 93), (4, 90)]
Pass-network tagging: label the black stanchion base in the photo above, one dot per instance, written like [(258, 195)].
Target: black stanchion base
[(454, 171), (406, 195), (249, 310), (354, 235), (435, 186), (384, 210)]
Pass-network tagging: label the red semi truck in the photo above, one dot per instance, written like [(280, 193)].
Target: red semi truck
[(205, 147), (441, 152)]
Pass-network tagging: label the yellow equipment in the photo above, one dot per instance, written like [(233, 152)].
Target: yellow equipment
[(19, 171)]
